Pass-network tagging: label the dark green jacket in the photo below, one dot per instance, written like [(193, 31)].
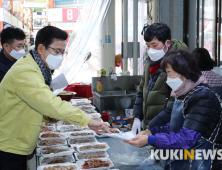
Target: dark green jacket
[(153, 95)]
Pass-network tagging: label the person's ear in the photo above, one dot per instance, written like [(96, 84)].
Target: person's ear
[(40, 48), (7, 48), (168, 43)]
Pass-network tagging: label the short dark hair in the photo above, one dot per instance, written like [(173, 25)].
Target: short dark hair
[(183, 63), (47, 34), (205, 62), (157, 30), (8, 35)]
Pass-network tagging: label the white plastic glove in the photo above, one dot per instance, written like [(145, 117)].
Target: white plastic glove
[(136, 125)]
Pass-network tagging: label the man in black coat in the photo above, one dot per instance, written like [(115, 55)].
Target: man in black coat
[(13, 43)]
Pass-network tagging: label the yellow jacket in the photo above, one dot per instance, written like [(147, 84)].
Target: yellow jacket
[(24, 98)]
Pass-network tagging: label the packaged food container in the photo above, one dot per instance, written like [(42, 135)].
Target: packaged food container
[(86, 128), (117, 125), (68, 166), (91, 155), (93, 147), (48, 143), (56, 159), (48, 124), (98, 119), (80, 140), (56, 151), (86, 107), (95, 164), (59, 123), (85, 133), (94, 115), (123, 128), (89, 111), (66, 128), (112, 130), (52, 135), (79, 102), (48, 129)]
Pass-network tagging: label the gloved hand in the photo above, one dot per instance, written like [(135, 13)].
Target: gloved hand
[(136, 125)]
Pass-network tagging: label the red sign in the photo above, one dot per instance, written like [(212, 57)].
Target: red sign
[(69, 14)]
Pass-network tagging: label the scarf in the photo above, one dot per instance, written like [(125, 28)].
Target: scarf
[(187, 86), (45, 71)]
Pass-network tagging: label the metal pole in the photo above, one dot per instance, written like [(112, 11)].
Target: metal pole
[(219, 33), (135, 37), (192, 25), (125, 35), (202, 29), (215, 31), (198, 22)]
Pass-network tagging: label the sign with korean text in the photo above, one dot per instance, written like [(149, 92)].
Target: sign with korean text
[(69, 14)]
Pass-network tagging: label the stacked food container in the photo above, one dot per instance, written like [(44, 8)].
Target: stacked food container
[(71, 147)]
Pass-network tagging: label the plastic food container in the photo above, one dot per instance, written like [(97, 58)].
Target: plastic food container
[(93, 147), (94, 115), (80, 100), (91, 155), (89, 111), (74, 166), (78, 103), (52, 135), (123, 128), (83, 134), (80, 140), (48, 129), (56, 159), (66, 128), (114, 130), (48, 124), (117, 125), (60, 123), (48, 143), (98, 119), (74, 146), (96, 162), (104, 134), (56, 151), (86, 107)]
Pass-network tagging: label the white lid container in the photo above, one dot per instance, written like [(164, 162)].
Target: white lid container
[(81, 162), (62, 164), (60, 135), (92, 147), (64, 150)]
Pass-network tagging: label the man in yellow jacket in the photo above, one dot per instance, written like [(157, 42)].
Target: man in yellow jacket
[(26, 97)]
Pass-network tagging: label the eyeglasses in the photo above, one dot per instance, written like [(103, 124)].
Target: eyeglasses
[(59, 51)]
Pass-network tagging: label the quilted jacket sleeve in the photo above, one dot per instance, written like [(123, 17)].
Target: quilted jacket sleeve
[(202, 112), (138, 106)]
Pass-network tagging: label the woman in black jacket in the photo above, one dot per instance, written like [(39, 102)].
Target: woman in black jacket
[(195, 118)]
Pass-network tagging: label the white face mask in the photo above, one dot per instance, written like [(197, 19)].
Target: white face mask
[(17, 54), (156, 55), (53, 61), (174, 83)]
